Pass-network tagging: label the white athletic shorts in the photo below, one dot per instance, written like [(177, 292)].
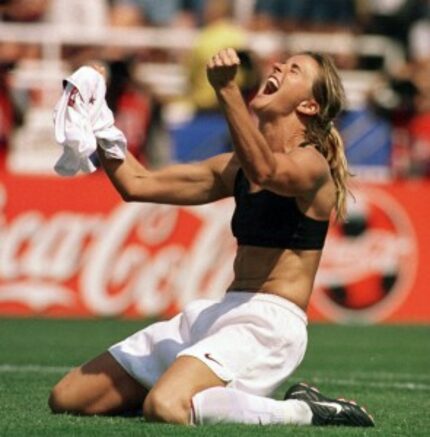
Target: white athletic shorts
[(252, 341)]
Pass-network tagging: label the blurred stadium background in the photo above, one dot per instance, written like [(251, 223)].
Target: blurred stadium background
[(71, 247)]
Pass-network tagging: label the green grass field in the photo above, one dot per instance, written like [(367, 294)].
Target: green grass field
[(386, 368)]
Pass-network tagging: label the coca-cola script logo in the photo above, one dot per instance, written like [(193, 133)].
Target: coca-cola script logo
[(138, 259), (369, 262)]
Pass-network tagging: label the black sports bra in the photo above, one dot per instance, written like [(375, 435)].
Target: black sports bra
[(267, 219)]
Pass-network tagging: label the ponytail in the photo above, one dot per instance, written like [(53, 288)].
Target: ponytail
[(339, 170), (320, 130)]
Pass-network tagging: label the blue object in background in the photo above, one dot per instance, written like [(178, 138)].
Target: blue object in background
[(204, 136), (367, 137)]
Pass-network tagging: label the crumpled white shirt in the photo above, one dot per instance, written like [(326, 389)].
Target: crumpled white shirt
[(82, 120)]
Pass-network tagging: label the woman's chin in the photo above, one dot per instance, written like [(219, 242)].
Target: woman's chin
[(258, 103), (261, 106)]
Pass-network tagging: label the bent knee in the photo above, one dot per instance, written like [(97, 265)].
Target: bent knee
[(59, 401), (163, 407), (65, 398)]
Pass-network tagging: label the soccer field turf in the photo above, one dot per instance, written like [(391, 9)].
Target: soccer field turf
[(386, 368)]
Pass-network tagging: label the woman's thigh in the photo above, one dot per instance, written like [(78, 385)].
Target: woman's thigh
[(100, 386)]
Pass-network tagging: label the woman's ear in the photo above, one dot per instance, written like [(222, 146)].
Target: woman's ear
[(308, 107)]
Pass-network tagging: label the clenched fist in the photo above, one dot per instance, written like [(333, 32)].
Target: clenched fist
[(222, 68)]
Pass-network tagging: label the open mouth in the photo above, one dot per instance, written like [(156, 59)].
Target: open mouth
[(272, 85)]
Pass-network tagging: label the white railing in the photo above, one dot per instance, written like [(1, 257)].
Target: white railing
[(53, 37)]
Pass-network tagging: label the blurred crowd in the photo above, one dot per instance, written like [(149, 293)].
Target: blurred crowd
[(400, 97)]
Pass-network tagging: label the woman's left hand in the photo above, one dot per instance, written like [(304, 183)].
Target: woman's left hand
[(222, 68)]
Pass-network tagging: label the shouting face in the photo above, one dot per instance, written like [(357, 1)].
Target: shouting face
[(288, 88)]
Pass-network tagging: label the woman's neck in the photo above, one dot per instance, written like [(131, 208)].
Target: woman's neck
[(282, 135)]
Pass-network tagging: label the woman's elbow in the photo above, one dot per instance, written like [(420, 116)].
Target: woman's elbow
[(126, 196), (262, 176), (133, 191), (127, 193)]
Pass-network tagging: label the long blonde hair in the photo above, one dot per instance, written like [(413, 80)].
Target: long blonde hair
[(328, 91)]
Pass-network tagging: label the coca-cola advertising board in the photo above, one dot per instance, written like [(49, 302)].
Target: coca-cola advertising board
[(72, 247)]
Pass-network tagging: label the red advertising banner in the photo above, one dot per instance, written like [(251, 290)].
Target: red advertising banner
[(71, 247)]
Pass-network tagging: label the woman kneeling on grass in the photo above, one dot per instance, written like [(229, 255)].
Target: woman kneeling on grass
[(217, 361)]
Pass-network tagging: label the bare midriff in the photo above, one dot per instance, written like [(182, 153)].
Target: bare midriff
[(286, 273)]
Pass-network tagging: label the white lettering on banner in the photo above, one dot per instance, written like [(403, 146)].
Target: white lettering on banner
[(203, 270), (157, 282), (154, 281), (158, 224), (111, 261), (57, 247), (348, 260), (365, 275), (38, 248), (13, 240), (113, 272), (37, 295)]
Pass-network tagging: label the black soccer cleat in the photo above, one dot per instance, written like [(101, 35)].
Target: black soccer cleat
[(326, 411)]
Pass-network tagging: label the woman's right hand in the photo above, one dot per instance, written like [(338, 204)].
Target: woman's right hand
[(222, 68)]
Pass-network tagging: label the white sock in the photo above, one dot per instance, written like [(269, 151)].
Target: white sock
[(226, 405)]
